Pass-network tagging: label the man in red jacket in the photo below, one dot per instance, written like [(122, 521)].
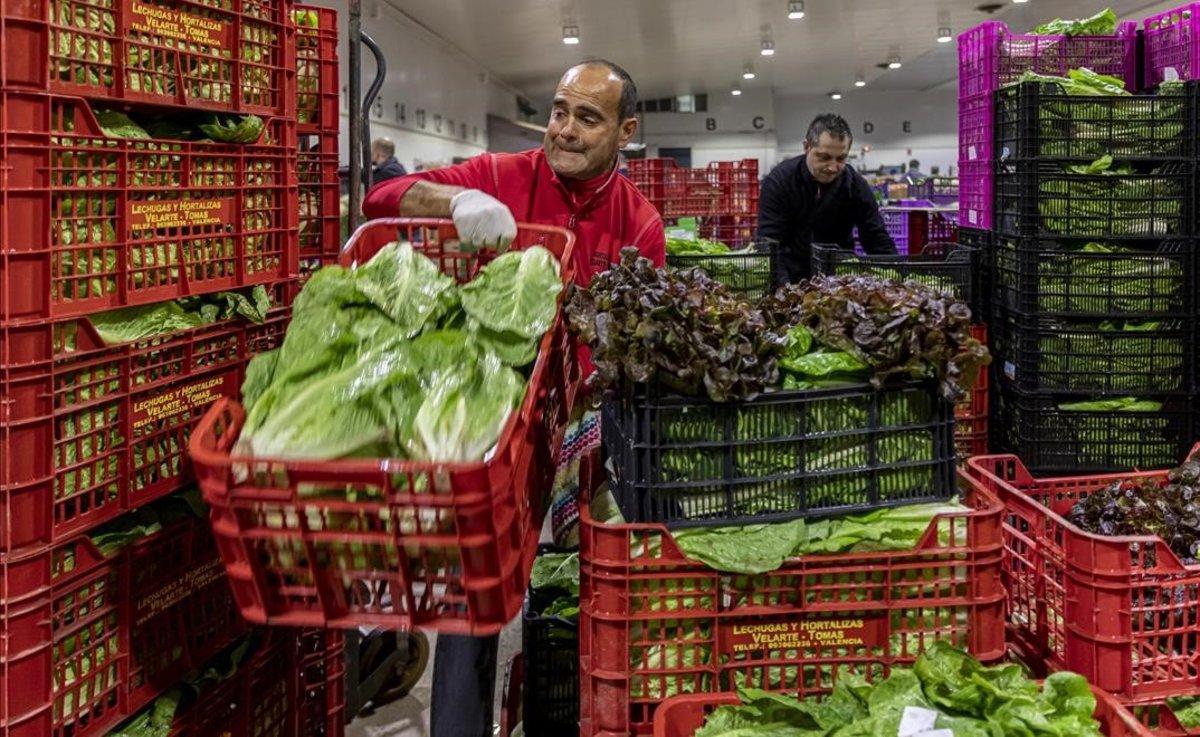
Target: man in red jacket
[(571, 182)]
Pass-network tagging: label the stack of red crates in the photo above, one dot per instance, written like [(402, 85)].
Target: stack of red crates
[(317, 125), (724, 195), (91, 222), (654, 624)]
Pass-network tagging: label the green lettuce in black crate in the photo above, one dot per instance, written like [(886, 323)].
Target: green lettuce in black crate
[(1119, 124), (1107, 198)]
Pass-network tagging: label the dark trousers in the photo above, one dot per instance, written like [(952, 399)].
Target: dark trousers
[(464, 678)]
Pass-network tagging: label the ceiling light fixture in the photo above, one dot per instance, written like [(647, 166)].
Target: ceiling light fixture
[(835, 95), (1020, 2), (894, 62), (860, 80), (768, 47), (795, 9), (748, 72), (945, 36), (571, 35), (735, 91)]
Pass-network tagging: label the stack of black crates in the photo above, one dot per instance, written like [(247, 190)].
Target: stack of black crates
[(1091, 273)]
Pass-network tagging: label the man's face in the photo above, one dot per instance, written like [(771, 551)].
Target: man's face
[(585, 131), (378, 156), (827, 158)]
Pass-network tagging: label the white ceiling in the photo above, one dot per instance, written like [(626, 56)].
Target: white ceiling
[(694, 46)]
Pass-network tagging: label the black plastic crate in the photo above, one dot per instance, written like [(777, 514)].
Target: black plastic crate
[(551, 648), (948, 267), (1086, 279), (1051, 440), (1039, 120), (1094, 357), (688, 461), (981, 241), (1047, 200), (750, 272)]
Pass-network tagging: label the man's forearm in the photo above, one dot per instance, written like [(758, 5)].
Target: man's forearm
[(428, 200)]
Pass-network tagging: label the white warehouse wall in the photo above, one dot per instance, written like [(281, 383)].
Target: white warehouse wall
[(426, 74), (733, 128)]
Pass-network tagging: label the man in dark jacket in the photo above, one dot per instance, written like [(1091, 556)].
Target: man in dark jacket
[(819, 198), (384, 165)]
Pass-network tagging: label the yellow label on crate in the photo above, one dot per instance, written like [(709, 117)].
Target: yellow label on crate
[(806, 634), (167, 23), (188, 583), (180, 399), (181, 213)]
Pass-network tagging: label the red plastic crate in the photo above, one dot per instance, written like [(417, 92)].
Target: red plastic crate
[(511, 696), (722, 188), (639, 594), (322, 691), (316, 69), (1159, 720), (465, 567), (281, 691), (971, 414), (185, 52), (682, 716), (1172, 41), (735, 231), (91, 223), (1121, 611), (320, 197), (104, 430), (943, 227), (126, 627), (991, 56)]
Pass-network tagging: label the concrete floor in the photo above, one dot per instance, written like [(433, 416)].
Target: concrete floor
[(409, 717)]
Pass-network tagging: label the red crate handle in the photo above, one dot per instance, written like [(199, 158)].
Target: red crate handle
[(984, 471)]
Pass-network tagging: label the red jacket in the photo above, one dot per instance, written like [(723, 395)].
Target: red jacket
[(610, 215)]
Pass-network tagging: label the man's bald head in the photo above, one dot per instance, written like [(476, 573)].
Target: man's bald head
[(594, 116), (627, 104)]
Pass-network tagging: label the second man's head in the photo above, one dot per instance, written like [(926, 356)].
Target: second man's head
[(827, 147)]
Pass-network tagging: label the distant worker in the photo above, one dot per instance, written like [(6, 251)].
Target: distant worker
[(819, 198), (384, 165), (934, 171), (915, 175)]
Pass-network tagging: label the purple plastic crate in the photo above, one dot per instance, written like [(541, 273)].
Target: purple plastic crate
[(990, 56), (975, 182), (895, 220), (913, 205), (1172, 42)]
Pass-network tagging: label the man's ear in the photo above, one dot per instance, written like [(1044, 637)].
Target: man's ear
[(629, 127)]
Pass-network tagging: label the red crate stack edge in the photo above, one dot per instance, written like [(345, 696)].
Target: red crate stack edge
[(91, 222)]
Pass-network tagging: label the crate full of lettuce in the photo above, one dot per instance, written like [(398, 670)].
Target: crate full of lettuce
[(830, 396), (749, 271)]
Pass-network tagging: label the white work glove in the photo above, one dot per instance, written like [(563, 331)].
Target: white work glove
[(482, 221)]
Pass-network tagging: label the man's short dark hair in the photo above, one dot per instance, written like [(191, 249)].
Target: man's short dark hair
[(834, 125), (914, 164), (629, 92)]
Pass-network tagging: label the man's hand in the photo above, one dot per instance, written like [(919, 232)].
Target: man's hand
[(482, 220)]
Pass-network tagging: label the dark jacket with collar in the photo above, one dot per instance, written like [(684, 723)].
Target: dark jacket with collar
[(389, 169), (797, 211)]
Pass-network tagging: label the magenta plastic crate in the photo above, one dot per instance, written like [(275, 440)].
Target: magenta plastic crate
[(975, 130), (990, 56), (975, 186), (1172, 42)]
